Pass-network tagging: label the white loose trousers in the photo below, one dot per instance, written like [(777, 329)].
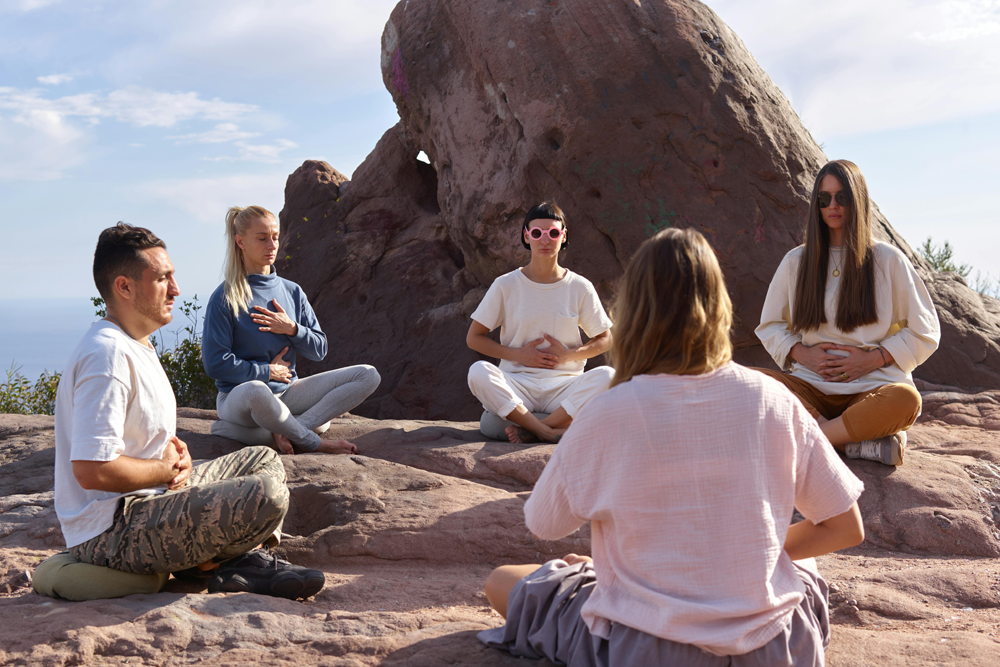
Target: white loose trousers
[(501, 392)]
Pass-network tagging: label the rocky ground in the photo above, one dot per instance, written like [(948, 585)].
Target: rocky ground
[(407, 532)]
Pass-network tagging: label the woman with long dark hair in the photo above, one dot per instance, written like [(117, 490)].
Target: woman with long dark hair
[(256, 326), (847, 319), (688, 470)]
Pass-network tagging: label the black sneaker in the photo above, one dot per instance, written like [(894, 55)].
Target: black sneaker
[(260, 571), (194, 574)]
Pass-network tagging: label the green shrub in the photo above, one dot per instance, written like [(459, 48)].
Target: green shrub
[(182, 364), (941, 258), (19, 397)]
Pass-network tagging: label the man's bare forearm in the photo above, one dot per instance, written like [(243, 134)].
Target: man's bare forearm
[(124, 474)]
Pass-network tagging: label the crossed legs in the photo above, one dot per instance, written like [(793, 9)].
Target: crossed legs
[(850, 418), (514, 396), (229, 506), (252, 414)]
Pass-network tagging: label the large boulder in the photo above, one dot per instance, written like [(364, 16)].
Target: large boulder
[(634, 116)]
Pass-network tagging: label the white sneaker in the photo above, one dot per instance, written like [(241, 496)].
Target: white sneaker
[(888, 450)]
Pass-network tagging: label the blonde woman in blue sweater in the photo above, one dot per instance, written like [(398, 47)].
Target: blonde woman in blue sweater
[(256, 326)]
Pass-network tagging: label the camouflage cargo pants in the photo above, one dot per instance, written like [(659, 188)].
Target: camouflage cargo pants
[(229, 506)]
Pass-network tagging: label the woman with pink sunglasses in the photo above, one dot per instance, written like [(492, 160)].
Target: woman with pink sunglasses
[(687, 471), (540, 383)]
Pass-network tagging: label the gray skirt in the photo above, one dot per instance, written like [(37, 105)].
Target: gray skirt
[(543, 620)]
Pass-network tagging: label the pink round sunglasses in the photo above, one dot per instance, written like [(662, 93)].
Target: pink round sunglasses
[(553, 232)]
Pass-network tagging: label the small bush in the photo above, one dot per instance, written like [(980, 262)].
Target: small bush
[(182, 364), (19, 397), (941, 258)]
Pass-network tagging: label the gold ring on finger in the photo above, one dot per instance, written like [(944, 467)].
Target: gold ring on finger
[(843, 375)]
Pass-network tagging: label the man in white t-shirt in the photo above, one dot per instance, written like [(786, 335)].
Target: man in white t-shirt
[(126, 493), (540, 309)]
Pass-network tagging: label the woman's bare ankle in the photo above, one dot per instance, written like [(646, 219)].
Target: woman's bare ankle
[(337, 447), (283, 444)]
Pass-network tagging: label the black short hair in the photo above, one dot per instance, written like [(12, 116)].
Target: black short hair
[(547, 210), (119, 253)]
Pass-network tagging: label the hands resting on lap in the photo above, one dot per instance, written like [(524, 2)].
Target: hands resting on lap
[(837, 367)]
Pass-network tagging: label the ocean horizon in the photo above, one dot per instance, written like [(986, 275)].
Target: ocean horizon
[(47, 332)]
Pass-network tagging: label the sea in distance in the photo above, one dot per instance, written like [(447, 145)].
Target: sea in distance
[(41, 334)]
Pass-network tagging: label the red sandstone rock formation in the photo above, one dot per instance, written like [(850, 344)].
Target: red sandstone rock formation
[(633, 115)]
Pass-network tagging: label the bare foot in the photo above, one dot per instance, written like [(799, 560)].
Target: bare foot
[(337, 447), (519, 435), (283, 443), (573, 559)]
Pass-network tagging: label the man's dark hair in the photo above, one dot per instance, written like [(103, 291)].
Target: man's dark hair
[(547, 210), (119, 253)]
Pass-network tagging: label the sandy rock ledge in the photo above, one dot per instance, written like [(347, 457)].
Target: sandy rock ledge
[(407, 531)]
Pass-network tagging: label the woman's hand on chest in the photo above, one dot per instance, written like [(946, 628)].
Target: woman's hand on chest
[(274, 321)]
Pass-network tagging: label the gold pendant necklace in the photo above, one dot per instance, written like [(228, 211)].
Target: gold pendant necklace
[(836, 271)]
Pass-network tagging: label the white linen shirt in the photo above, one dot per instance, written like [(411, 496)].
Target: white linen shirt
[(525, 310), (907, 324), (689, 483), (114, 399)]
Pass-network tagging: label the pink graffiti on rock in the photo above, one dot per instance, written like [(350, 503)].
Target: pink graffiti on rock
[(399, 74)]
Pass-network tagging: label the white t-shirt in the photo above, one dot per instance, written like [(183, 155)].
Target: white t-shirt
[(525, 310), (113, 399), (907, 324), (689, 483)]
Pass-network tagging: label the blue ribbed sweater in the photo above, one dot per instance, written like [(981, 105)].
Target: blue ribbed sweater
[(234, 351)]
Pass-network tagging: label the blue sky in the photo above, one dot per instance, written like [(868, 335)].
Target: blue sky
[(163, 113)]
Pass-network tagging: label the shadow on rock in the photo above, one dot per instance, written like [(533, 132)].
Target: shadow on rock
[(458, 648), (356, 506)]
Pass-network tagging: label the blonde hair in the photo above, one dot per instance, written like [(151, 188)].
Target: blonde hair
[(672, 313), (237, 290)]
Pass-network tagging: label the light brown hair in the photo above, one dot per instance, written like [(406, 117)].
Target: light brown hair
[(672, 313), (856, 296)]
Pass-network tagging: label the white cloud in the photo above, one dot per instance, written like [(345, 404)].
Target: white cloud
[(265, 152), (39, 139), (55, 79), (220, 134), (144, 107), (25, 5), (313, 44), (39, 146), (138, 106), (965, 19), (208, 199), (861, 66), (257, 152)]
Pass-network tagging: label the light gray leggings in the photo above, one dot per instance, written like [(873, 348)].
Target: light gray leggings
[(250, 413)]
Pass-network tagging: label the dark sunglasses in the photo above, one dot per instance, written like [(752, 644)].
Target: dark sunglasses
[(824, 199), (553, 232)]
